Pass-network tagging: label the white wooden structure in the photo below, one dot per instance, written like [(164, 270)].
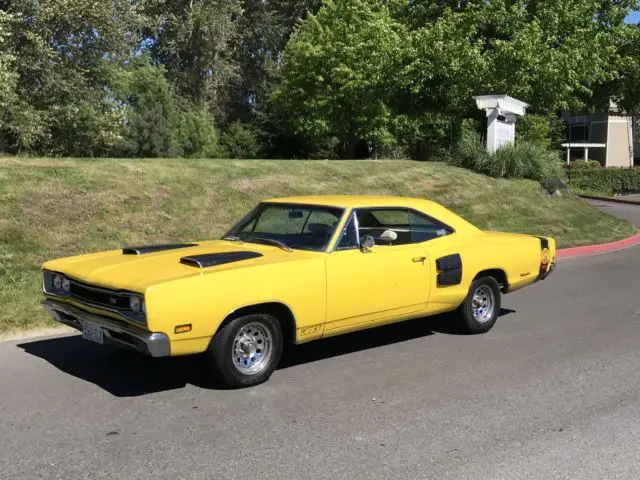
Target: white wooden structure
[(502, 112), (585, 145)]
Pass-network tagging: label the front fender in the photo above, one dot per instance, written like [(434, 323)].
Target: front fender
[(206, 300)]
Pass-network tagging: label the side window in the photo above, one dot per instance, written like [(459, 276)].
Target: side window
[(349, 237), (390, 227), (423, 228), (387, 226)]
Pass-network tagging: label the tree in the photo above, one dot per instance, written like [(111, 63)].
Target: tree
[(148, 110), (193, 40), (338, 76), (551, 54), (240, 141), (264, 30), (62, 50), (194, 133), (624, 89), (8, 74)]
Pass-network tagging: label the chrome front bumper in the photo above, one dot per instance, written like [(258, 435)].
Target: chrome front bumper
[(115, 333)]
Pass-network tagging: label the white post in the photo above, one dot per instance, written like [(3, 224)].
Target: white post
[(586, 153), (568, 155), (502, 112), (492, 129)]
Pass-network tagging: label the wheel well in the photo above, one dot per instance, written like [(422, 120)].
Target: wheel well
[(499, 275), (275, 309)]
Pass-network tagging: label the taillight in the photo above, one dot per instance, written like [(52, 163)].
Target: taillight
[(545, 255)]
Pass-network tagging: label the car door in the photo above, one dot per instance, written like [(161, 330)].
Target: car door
[(387, 282)]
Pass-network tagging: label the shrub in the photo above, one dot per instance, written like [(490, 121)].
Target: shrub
[(240, 141), (605, 181), (554, 185), (149, 110), (521, 160), (194, 134), (585, 164), (548, 131)]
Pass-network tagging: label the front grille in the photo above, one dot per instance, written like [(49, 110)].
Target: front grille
[(99, 296)]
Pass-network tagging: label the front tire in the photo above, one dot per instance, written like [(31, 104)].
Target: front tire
[(246, 351), (480, 309)]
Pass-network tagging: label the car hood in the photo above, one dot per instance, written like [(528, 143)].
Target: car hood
[(136, 272)]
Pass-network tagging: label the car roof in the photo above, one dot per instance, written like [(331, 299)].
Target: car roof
[(351, 201), (428, 207)]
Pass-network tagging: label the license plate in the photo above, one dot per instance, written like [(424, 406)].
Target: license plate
[(92, 332)]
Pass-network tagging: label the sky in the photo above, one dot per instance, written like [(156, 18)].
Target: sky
[(634, 17)]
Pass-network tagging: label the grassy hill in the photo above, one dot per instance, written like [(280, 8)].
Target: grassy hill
[(51, 208)]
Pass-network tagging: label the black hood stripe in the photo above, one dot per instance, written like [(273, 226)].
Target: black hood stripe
[(155, 248), (214, 259)]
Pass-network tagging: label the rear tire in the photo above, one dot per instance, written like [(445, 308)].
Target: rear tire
[(246, 351), (480, 309)]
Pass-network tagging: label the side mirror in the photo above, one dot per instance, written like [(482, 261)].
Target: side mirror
[(366, 243)]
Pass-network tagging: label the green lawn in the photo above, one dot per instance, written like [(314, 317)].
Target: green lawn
[(51, 208)]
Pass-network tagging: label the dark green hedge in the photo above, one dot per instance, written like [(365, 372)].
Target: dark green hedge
[(605, 181)]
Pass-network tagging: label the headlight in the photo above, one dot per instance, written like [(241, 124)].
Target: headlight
[(135, 304), (55, 284)]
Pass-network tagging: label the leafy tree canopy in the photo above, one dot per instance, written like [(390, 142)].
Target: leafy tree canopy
[(298, 78)]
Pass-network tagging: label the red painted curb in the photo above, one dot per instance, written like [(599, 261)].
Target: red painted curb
[(602, 248)]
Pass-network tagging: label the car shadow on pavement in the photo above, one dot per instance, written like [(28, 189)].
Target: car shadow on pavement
[(120, 372), (295, 355), (128, 374)]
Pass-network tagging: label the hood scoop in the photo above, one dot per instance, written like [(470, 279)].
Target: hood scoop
[(155, 248), (214, 259)]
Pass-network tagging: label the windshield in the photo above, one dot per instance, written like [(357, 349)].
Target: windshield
[(302, 227)]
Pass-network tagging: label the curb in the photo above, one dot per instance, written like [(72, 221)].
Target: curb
[(35, 333), (611, 199), (602, 248)]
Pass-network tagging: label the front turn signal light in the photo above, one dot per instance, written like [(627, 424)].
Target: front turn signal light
[(182, 328)]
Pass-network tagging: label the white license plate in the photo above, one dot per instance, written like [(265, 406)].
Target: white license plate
[(92, 332)]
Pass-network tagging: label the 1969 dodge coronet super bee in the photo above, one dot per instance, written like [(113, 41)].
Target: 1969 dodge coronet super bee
[(294, 270)]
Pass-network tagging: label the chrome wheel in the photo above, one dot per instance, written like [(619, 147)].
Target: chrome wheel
[(251, 349), (483, 304)]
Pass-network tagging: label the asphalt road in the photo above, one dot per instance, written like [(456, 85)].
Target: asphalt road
[(628, 212), (552, 392)]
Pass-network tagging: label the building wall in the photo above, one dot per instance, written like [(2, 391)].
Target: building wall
[(598, 134), (613, 128), (618, 142)]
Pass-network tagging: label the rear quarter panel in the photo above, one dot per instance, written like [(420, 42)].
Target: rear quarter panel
[(207, 299), (518, 256)]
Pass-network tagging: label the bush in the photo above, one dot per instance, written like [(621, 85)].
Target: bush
[(548, 131), (585, 164), (554, 185), (605, 181), (149, 109), (240, 141), (521, 160), (194, 133)]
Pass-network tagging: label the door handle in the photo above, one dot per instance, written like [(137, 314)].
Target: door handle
[(419, 259)]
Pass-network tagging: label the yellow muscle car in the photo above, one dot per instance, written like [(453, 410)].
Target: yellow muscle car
[(293, 270)]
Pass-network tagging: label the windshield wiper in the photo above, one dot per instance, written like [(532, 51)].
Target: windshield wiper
[(271, 241), (233, 239)]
